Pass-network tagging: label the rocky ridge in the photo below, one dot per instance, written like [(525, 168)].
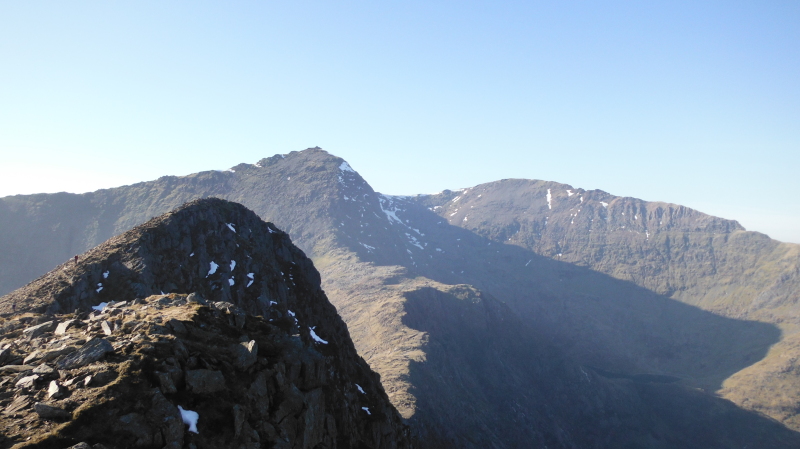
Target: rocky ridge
[(385, 258), (267, 362)]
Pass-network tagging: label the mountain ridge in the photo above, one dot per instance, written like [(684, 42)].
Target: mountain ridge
[(244, 335), (375, 251)]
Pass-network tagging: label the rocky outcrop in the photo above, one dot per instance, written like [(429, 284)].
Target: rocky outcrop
[(245, 342)]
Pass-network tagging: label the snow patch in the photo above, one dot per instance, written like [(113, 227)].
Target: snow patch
[(190, 418), (391, 211), (105, 274), (413, 240), (360, 390), (366, 409), (315, 336), (529, 262), (230, 281), (99, 287), (100, 306), (604, 204), (569, 192), (549, 200), (346, 167), (230, 226), (233, 264), (213, 269)]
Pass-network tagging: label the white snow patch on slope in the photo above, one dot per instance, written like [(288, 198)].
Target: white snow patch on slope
[(100, 306), (233, 264), (604, 204), (230, 281), (569, 192), (230, 226), (549, 200), (414, 241), (212, 269), (315, 336), (391, 211), (190, 418), (361, 390), (366, 409), (105, 274), (346, 167)]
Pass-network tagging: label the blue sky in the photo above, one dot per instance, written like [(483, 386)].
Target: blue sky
[(695, 103)]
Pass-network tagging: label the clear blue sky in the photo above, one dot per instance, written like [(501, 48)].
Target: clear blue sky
[(696, 102)]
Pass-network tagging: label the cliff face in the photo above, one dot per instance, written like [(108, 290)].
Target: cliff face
[(256, 349), (669, 249)]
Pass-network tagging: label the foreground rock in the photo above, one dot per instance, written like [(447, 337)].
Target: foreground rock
[(221, 367)]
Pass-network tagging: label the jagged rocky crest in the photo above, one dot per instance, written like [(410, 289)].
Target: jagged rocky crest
[(206, 307)]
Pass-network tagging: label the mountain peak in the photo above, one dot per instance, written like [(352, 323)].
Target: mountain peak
[(190, 308)]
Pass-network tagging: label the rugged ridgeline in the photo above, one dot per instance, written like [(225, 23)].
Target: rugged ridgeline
[(479, 343), (256, 350)]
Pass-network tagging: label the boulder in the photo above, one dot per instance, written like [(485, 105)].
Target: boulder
[(167, 418), (39, 329), (55, 391), (27, 381), (90, 352), (62, 327), (244, 355), (205, 381), (47, 411), (166, 383)]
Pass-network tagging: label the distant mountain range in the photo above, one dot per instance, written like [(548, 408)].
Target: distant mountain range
[(516, 313)]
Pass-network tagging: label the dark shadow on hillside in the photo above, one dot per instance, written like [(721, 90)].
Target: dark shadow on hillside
[(593, 318), (490, 381)]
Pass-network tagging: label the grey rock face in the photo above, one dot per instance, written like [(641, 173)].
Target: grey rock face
[(166, 383), (134, 424), (166, 417), (205, 381), (244, 355), (90, 352), (51, 412), (35, 331), (62, 327)]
